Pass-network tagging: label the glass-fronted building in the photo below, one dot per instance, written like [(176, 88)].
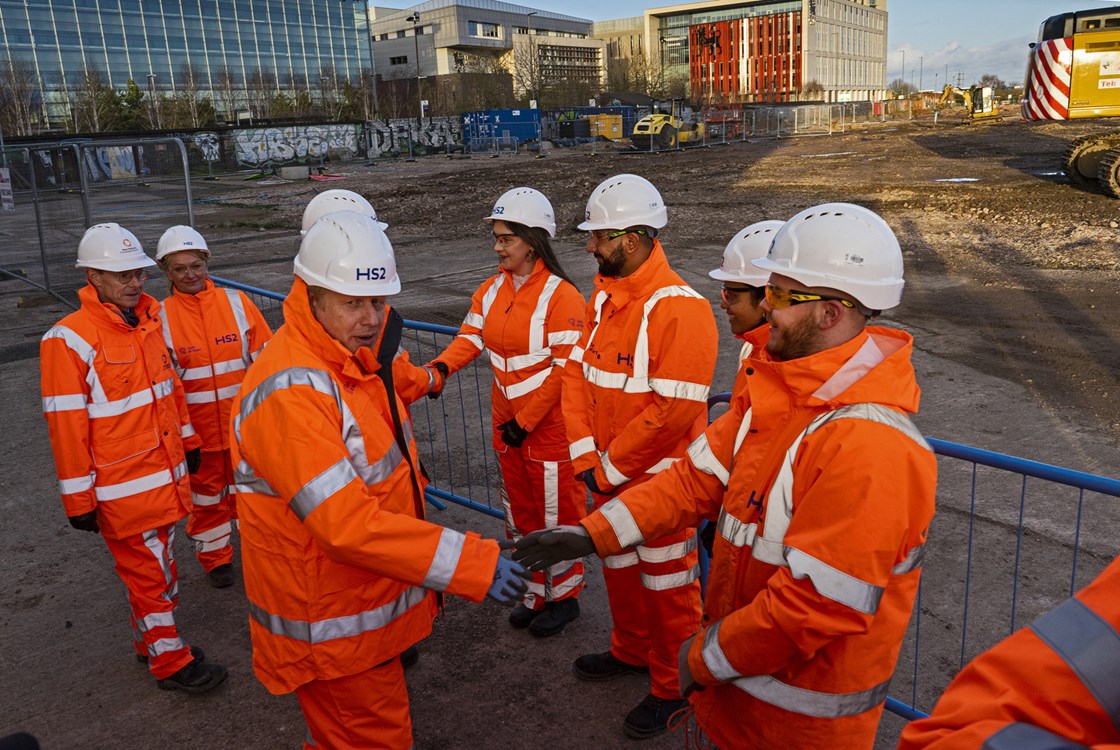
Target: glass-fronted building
[(287, 44)]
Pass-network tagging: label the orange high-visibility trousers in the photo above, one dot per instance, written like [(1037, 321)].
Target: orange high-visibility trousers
[(654, 596), (146, 564), (213, 510), (367, 710), (540, 495)]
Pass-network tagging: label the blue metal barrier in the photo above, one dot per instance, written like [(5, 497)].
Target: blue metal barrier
[(1021, 540)]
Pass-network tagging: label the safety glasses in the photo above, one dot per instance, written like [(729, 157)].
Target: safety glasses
[(731, 294), (602, 235), (780, 299), (127, 277), (505, 239)]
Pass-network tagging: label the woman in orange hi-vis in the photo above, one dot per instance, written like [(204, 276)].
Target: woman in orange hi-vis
[(213, 336), (526, 318)]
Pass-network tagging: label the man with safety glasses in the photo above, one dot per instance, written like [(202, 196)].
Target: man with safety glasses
[(823, 490), (123, 441), (635, 395)]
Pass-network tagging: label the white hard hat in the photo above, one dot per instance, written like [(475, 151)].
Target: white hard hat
[(841, 246), (625, 200), (750, 243), (178, 238), (330, 201), (348, 252), (111, 247), (526, 206)]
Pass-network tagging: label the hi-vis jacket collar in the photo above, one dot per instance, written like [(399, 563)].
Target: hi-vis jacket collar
[(147, 309), (622, 290)]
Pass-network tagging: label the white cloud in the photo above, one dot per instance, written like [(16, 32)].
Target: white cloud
[(1006, 59)]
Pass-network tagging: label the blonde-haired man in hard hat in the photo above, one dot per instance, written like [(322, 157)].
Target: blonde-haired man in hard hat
[(822, 490), (122, 442), (212, 335), (341, 569)]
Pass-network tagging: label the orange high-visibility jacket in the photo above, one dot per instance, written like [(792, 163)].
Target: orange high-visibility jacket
[(528, 335), (117, 417), (1053, 684), (213, 337), (824, 491), (340, 568), (636, 386)]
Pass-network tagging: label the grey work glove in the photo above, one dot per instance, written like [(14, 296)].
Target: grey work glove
[(543, 549), (85, 522), (511, 580)]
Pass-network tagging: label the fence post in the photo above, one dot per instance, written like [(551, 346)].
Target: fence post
[(186, 180), (38, 218), (84, 185)]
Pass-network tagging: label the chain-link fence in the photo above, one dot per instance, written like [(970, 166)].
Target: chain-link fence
[(62, 188)]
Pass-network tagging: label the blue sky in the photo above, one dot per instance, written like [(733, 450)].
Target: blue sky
[(970, 37)]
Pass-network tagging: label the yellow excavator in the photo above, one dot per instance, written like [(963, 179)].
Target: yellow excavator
[(978, 102), (665, 129), (1073, 73)]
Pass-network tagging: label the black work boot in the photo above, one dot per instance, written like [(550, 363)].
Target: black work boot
[(196, 677), (521, 616), (604, 666), (651, 717), (221, 576), (409, 656), (554, 617)]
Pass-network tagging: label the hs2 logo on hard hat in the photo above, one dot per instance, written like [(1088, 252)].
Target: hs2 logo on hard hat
[(370, 274), (498, 210)]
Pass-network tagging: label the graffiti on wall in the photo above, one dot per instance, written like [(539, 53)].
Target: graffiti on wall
[(113, 162), (297, 143), (435, 134)]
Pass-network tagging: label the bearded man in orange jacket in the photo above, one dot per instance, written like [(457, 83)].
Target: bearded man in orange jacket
[(212, 335), (823, 492), (341, 569), (635, 395), (123, 443)]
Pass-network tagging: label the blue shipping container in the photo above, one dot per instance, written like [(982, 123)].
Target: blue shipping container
[(482, 127)]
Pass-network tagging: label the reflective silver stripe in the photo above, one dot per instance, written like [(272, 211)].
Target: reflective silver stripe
[(155, 620), (625, 560), (576, 355), (337, 627), (1091, 648), (559, 338), (677, 551), (213, 539), (614, 476), (700, 453), (473, 339), (209, 397), (670, 580), (180, 470), (681, 389), (165, 645), (580, 447), (446, 560), (207, 371), (714, 658), (911, 562), (834, 584), (186, 430), (474, 320), (812, 702), (85, 352), (165, 324), (246, 480), (205, 501), (735, 531), (526, 386), (604, 379), (622, 523), (551, 492), (70, 402), (490, 295), (163, 555), (382, 469), (311, 495), (517, 362), (554, 592), (511, 527), (662, 465), (108, 492), (1020, 736), (858, 365), (561, 363), (242, 321), (76, 484), (132, 401)]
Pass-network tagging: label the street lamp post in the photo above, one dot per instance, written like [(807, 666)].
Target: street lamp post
[(153, 110), (414, 19), (532, 54)]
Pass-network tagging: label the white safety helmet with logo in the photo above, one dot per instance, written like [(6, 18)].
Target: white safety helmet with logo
[(111, 247), (624, 201), (179, 238), (348, 252), (330, 201), (750, 243), (527, 206), (840, 246)]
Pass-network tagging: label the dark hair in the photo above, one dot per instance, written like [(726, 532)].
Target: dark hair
[(538, 239)]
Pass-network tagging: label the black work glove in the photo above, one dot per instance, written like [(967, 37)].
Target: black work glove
[(588, 478), (512, 434), (194, 460), (85, 522), (443, 371)]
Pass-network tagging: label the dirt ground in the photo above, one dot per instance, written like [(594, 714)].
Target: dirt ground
[(1011, 295)]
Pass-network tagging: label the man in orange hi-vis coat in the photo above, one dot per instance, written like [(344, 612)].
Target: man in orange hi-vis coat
[(635, 395), (123, 443), (341, 569), (823, 490), (213, 335), (1054, 685)]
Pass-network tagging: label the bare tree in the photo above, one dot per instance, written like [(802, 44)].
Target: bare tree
[(900, 87), (618, 75), (187, 97), (330, 91), (989, 79), (261, 87), (525, 62), (97, 106), (812, 91), (648, 76), (226, 88), (20, 97)]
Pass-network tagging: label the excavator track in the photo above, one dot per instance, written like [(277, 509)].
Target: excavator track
[(1083, 157), (1108, 173)]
